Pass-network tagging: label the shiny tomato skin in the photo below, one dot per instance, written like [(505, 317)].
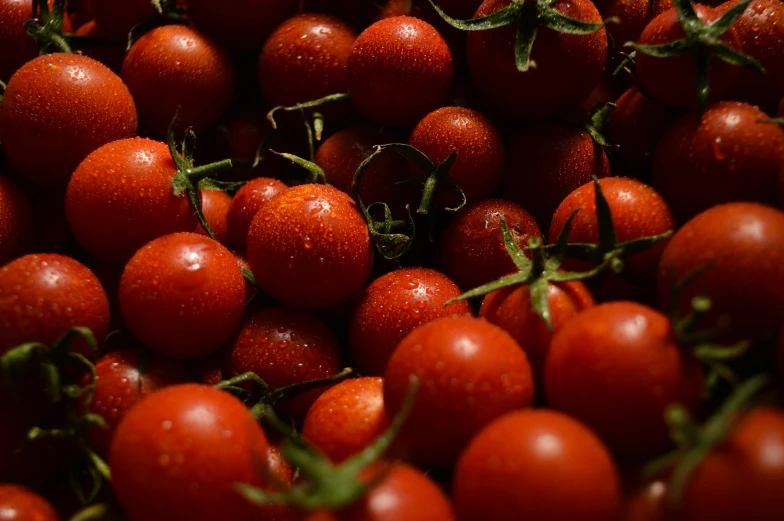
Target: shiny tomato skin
[(391, 307), (744, 243), (536, 464), (18, 503), (470, 372), (310, 247), (634, 16), (215, 206), (182, 295), (179, 452), (67, 117), (240, 24), (174, 67), (399, 69), (120, 198), (246, 203), (636, 345), (16, 221), (647, 503), (42, 296)]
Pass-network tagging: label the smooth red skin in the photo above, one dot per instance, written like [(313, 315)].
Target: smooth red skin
[(638, 211), (635, 127), (472, 247), (634, 16), (405, 493), (347, 418), (240, 24), (305, 58), (284, 346), (282, 477), (511, 310), (745, 243), (568, 67), (648, 503), (470, 373), (725, 155), (19, 503), (182, 295), (178, 454), (393, 306), (310, 247), (120, 198), (480, 150), (111, 56), (536, 464), (215, 205), (760, 30), (79, 105), (616, 367), (399, 70), (246, 203), (546, 162), (42, 296), (671, 80), (16, 221), (122, 379), (175, 66), (120, 19)]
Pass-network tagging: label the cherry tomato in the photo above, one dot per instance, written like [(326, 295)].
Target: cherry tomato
[(215, 204), (78, 105), (19, 503), (246, 203), (634, 16), (16, 221), (647, 503), (536, 464), (182, 295)]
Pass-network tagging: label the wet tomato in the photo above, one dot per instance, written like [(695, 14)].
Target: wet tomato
[(246, 203), (215, 204), (16, 221), (19, 503)]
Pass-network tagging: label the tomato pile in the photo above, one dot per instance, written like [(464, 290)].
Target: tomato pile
[(400, 260)]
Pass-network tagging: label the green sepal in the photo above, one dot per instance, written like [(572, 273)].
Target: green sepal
[(332, 98), (506, 16), (316, 174)]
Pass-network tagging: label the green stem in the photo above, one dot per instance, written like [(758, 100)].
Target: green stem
[(427, 194), (200, 172)]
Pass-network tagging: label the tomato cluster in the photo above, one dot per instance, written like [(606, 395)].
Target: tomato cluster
[(429, 260)]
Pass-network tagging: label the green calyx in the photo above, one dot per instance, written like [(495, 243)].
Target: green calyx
[(703, 41), (46, 26), (528, 15)]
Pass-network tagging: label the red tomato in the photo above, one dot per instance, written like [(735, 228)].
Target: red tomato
[(634, 16), (647, 503), (215, 204), (182, 295), (120, 19), (310, 247), (470, 373), (111, 56), (394, 305), (636, 345), (175, 67), (67, 105), (120, 197), (42, 296), (347, 418), (399, 69), (536, 464), (246, 203), (745, 244), (178, 454), (19, 503), (16, 221)]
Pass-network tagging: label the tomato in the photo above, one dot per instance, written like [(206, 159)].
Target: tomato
[(634, 16), (78, 105), (310, 247), (42, 296), (743, 243), (568, 66), (120, 19), (637, 347), (19, 503), (284, 346), (112, 56), (399, 69), (347, 418), (546, 162), (175, 67), (281, 477), (246, 203), (215, 204), (646, 503), (472, 248), (391, 307), (16, 221), (182, 295), (470, 372), (120, 197), (536, 464), (179, 452), (725, 155)]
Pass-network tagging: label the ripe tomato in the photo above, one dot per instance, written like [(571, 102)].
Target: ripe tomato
[(19, 503), (744, 245), (16, 221), (536, 464), (399, 69), (178, 454), (310, 247), (246, 203), (120, 197), (634, 16), (67, 105), (175, 67), (182, 295), (392, 306), (636, 345), (647, 503), (215, 204), (470, 372)]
